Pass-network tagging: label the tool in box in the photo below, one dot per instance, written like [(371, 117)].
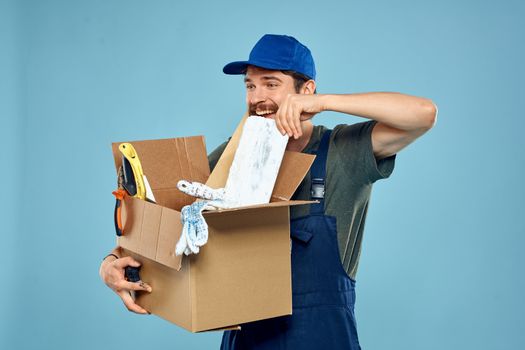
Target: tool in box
[(131, 181)]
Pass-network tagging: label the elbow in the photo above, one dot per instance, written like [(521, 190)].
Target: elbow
[(429, 113)]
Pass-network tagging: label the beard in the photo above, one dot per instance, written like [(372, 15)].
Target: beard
[(268, 105)]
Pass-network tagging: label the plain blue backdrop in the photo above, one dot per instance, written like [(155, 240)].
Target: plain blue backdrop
[(442, 261)]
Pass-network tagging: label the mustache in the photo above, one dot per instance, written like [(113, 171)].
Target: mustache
[(262, 106)]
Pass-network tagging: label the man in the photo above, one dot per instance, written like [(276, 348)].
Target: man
[(326, 237)]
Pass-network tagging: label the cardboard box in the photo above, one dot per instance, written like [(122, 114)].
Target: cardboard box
[(243, 273)]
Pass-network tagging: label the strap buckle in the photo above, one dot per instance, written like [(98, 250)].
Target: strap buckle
[(317, 189)]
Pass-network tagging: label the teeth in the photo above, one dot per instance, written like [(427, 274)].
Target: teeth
[(264, 112)]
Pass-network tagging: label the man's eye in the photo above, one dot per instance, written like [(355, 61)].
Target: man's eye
[(272, 85), (249, 87)]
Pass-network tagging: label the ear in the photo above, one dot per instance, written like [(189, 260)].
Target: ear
[(308, 88)]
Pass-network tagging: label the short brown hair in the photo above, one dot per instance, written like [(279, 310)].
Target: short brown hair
[(298, 79)]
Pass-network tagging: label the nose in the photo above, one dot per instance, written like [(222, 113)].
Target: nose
[(255, 96)]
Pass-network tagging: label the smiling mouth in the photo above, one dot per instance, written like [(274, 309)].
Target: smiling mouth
[(264, 113), (266, 109)]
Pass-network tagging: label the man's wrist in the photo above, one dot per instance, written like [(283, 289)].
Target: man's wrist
[(112, 255), (325, 102)]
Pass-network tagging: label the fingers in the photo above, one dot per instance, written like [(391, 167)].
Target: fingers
[(138, 286), (278, 123), (288, 118), (130, 303), (113, 275), (294, 122), (297, 126), (286, 121), (283, 118), (114, 278), (279, 118), (126, 261)]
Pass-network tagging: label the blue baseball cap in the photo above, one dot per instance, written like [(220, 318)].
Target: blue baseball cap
[(277, 52)]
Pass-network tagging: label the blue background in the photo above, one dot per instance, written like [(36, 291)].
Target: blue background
[(442, 262)]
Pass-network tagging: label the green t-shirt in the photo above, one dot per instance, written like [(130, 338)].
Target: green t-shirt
[(351, 170)]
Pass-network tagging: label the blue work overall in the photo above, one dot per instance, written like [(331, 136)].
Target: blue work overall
[(323, 294)]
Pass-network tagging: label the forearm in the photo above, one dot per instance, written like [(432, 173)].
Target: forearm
[(397, 110)]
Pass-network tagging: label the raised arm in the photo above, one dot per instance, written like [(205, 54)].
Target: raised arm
[(401, 118)]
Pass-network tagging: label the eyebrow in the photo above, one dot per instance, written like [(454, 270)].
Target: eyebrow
[(265, 77)]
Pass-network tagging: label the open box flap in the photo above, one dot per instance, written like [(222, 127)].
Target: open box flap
[(294, 168), (258, 206), (165, 162)]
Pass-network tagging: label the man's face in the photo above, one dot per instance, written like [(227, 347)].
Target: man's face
[(265, 90)]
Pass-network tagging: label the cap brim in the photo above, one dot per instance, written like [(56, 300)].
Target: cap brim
[(238, 67)]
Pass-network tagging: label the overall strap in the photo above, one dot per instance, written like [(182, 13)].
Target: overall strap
[(318, 175)]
